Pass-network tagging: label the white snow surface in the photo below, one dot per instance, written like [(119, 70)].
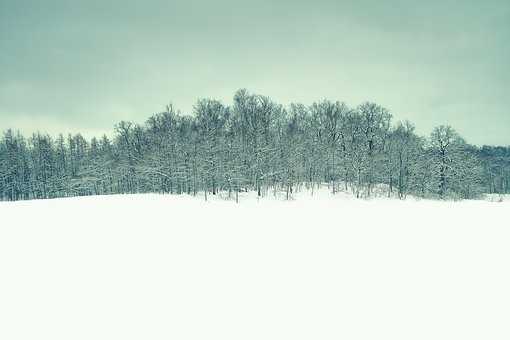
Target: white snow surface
[(317, 267)]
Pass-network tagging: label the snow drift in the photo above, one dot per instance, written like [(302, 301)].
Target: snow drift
[(321, 267)]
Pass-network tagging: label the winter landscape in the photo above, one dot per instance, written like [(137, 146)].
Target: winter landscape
[(255, 221), (254, 169)]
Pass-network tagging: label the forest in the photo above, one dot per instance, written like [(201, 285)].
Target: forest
[(255, 144)]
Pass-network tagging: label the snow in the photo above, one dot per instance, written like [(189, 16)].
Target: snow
[(316, 267)]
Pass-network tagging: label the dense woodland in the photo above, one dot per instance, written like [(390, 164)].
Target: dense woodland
[(255, 144)]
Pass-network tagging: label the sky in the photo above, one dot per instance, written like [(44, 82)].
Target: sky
[(83, 66)]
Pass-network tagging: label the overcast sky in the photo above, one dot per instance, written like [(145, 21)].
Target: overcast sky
[(69, 66)]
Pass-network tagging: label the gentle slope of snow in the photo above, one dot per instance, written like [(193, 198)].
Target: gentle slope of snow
[(322, 267)]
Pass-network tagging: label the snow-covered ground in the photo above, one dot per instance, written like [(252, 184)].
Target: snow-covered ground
[(321, 267)]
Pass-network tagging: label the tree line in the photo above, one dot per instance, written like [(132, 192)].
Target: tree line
[(255, 144)]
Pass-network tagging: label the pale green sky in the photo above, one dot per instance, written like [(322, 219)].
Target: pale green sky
[(69, 66)]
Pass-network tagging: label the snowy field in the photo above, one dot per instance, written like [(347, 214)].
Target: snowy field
[(321, 267)]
